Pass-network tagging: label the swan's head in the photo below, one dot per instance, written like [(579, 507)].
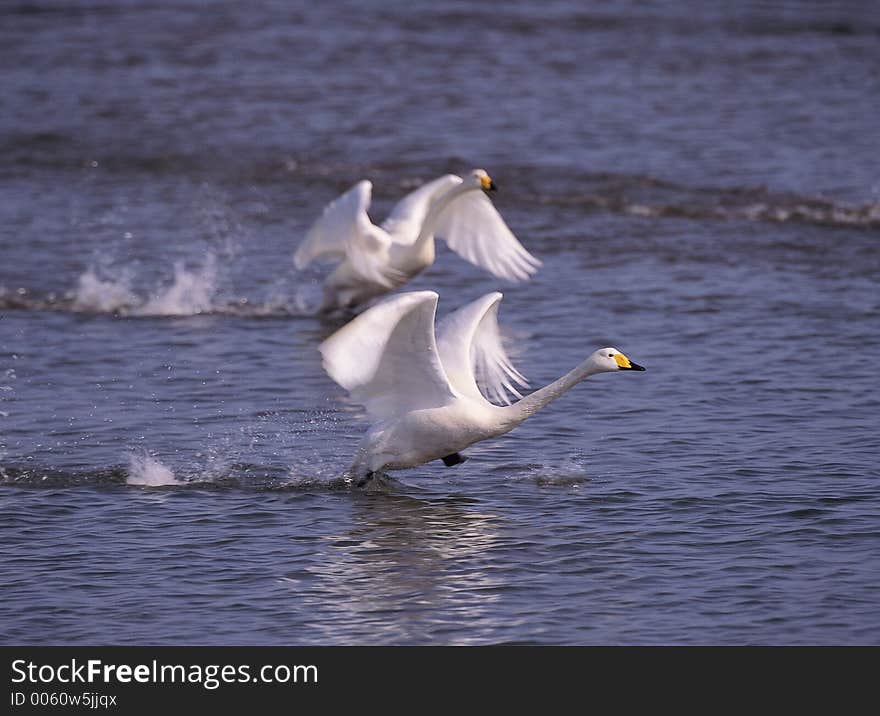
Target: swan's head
[(608, 359), (481, 180)]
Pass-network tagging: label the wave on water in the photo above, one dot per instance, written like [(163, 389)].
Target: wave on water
[(201, 287), (646, 196), (145, 471), (638, 194)]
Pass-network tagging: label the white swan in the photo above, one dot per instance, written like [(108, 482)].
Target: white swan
[(375, 260), (422, 390)]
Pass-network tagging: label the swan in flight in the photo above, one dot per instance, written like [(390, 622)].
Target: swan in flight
[(374, 260), (420, 387)]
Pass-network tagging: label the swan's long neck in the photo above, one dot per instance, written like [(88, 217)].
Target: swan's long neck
[(438, 203), (533, 402)]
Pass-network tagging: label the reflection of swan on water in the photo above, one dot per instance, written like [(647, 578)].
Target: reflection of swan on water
[(401, 568)]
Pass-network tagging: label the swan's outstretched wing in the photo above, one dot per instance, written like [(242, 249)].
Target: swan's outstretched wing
[(387, 359), (474, 229), (472, 352), (404, 223), (341, 218), (344, 231)]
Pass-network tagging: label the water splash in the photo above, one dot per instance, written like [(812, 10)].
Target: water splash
[(191, 293), (95, 295), (569, 472), (7, 393), (146, 471), (307, 298)]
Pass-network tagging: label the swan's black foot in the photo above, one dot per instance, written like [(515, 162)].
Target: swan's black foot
[(454, 459), (366, 479)]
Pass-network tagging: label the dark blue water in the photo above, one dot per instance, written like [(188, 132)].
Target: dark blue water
[(701, 182)]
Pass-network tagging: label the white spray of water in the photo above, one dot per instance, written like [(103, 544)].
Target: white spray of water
[(192, 292), (6, 392), (146, 471), (95, 295), (307, 299)]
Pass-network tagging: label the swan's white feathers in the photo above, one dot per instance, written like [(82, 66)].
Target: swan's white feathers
[(473, 354), (341, 219), (473, 228), (344, 230), (422, 391), (366, 250), (404, 223), (387, 357), (374, 260)]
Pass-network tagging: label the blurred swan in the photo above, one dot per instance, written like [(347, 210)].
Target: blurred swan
[(375, 260), (421, 388)]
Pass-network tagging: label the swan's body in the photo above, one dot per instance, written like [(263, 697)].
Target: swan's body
[(421, 389), (374, 260)]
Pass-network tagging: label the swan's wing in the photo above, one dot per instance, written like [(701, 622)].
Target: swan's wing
[(367, 252), (406, 218), (474, 229), (341, 219), (472, 352), (387, 359), (344, 231)]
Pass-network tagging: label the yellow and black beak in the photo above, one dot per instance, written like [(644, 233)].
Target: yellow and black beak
[(625, 363), (487, 184)]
